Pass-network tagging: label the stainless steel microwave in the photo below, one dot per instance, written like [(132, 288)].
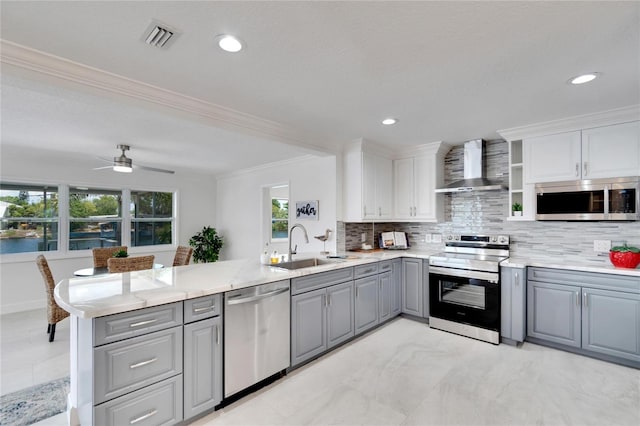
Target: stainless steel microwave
[(597, 199)]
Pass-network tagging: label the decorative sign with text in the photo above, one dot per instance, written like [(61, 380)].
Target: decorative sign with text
[(307, 210)]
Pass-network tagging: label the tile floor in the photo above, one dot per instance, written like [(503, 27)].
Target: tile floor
[(404, 373)]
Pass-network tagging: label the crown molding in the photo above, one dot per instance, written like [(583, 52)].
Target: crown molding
[(34, 60), (586, 121), (437, 148)]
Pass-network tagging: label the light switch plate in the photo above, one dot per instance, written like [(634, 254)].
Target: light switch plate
[(436, 238), (601, 246), (427, 238)]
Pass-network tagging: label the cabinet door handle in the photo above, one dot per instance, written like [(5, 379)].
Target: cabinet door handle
[(577, 298), (356, 292), (517, 278), (410, 211), (585, 169), (198, 310), (379, 211), (143, 363), (143, 417), (577, 169), (414, 210), (328, 300), (364, 210), (585, 298), (217, 335), (141, 323)]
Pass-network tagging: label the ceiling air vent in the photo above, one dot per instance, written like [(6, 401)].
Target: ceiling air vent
[(159, 35)]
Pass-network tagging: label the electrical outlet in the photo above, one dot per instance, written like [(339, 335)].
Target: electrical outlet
[(601, 246), (427, 238), (363, 237), (436, 238)]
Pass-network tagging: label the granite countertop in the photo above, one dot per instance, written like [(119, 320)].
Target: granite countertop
[(90, 297), (574, 265)]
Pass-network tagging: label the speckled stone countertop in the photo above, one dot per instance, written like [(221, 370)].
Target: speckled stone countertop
[(90, 297), (586, 266)]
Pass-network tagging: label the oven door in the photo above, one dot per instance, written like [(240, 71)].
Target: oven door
[(468, 297)]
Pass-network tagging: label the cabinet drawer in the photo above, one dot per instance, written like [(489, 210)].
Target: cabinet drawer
[(384, 266), (321, 280), (202, 307), (125, 366), (585, 279), (158, 404), (365, 270), (117, 327)]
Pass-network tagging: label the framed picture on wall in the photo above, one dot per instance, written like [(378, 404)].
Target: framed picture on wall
[(307, 210)]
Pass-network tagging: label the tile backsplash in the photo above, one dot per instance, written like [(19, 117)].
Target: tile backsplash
[(485, 212)]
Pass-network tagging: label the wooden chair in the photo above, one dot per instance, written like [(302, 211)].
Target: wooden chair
[(183, 256), (55, 313), (101, 255), (129, 264)]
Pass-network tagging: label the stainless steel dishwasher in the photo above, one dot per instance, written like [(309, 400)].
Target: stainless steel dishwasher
[(256, 334)]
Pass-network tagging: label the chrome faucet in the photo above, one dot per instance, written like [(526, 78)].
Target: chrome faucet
[(306, 240)]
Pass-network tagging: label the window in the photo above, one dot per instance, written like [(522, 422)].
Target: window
[(279, 212), (95, 218), (151, 218), (28, 218)]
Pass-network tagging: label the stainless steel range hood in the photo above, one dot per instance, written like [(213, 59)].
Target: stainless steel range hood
[(473, 179)]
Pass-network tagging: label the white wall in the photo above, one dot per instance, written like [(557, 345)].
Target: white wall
[(21, 286), (240, 212)]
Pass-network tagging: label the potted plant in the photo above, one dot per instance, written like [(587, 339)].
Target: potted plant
[(517, 209), (120, 253), (625, 256), (206, 245)]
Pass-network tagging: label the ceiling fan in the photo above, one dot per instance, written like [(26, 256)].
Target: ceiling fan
[(124, 164)]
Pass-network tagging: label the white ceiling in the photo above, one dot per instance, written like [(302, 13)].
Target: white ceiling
[(329, 71)]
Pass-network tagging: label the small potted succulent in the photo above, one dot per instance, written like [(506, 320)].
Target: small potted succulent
[(517, 209), (120, 253), (625, 256)]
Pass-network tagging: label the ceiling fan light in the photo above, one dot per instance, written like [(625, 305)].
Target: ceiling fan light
[(122, 169)]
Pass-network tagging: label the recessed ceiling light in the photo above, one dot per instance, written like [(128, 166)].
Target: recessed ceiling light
[(229, 43), (389, 121), (584, 78)]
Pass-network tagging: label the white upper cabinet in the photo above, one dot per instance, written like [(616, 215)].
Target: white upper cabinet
[(552, 158), (367, 190), (415, 180), (611, 151), (376, 187), (601, 152)]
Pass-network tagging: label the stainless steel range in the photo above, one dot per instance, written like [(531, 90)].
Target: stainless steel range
[(464, 286)]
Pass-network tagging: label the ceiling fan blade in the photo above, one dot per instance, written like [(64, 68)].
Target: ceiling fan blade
[(101, 168), (153, 169), (106, 160)]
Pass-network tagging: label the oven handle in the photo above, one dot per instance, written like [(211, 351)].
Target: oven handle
[(465, 273)]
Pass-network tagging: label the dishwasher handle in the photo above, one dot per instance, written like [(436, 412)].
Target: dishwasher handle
[(239, 300)]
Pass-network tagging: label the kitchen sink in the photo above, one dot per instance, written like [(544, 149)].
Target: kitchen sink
[(303, 263)]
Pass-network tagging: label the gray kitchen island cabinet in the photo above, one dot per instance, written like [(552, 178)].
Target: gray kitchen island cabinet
[(412, 287), (321, 318), (513, 304), (591, 313), (202, 355), (396, 287)]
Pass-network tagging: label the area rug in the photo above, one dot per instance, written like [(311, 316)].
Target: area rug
[(34, 404)]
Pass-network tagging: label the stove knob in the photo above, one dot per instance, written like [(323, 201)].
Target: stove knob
[(449, 237), (502, 239), (457, 237), (493, 239)]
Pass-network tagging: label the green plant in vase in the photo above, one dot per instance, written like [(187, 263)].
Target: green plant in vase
[(121, 253), (517, 209)]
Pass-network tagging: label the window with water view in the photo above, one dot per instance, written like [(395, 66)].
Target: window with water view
[(151, 218), (94, 218), (29, 218)]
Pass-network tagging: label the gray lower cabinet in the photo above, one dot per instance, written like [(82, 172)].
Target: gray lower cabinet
[(129, 367), (425, 289), (412, 287), (202, 364), (384, 296), (321, 319), (513, 303), (596, 313), (366, 303)]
